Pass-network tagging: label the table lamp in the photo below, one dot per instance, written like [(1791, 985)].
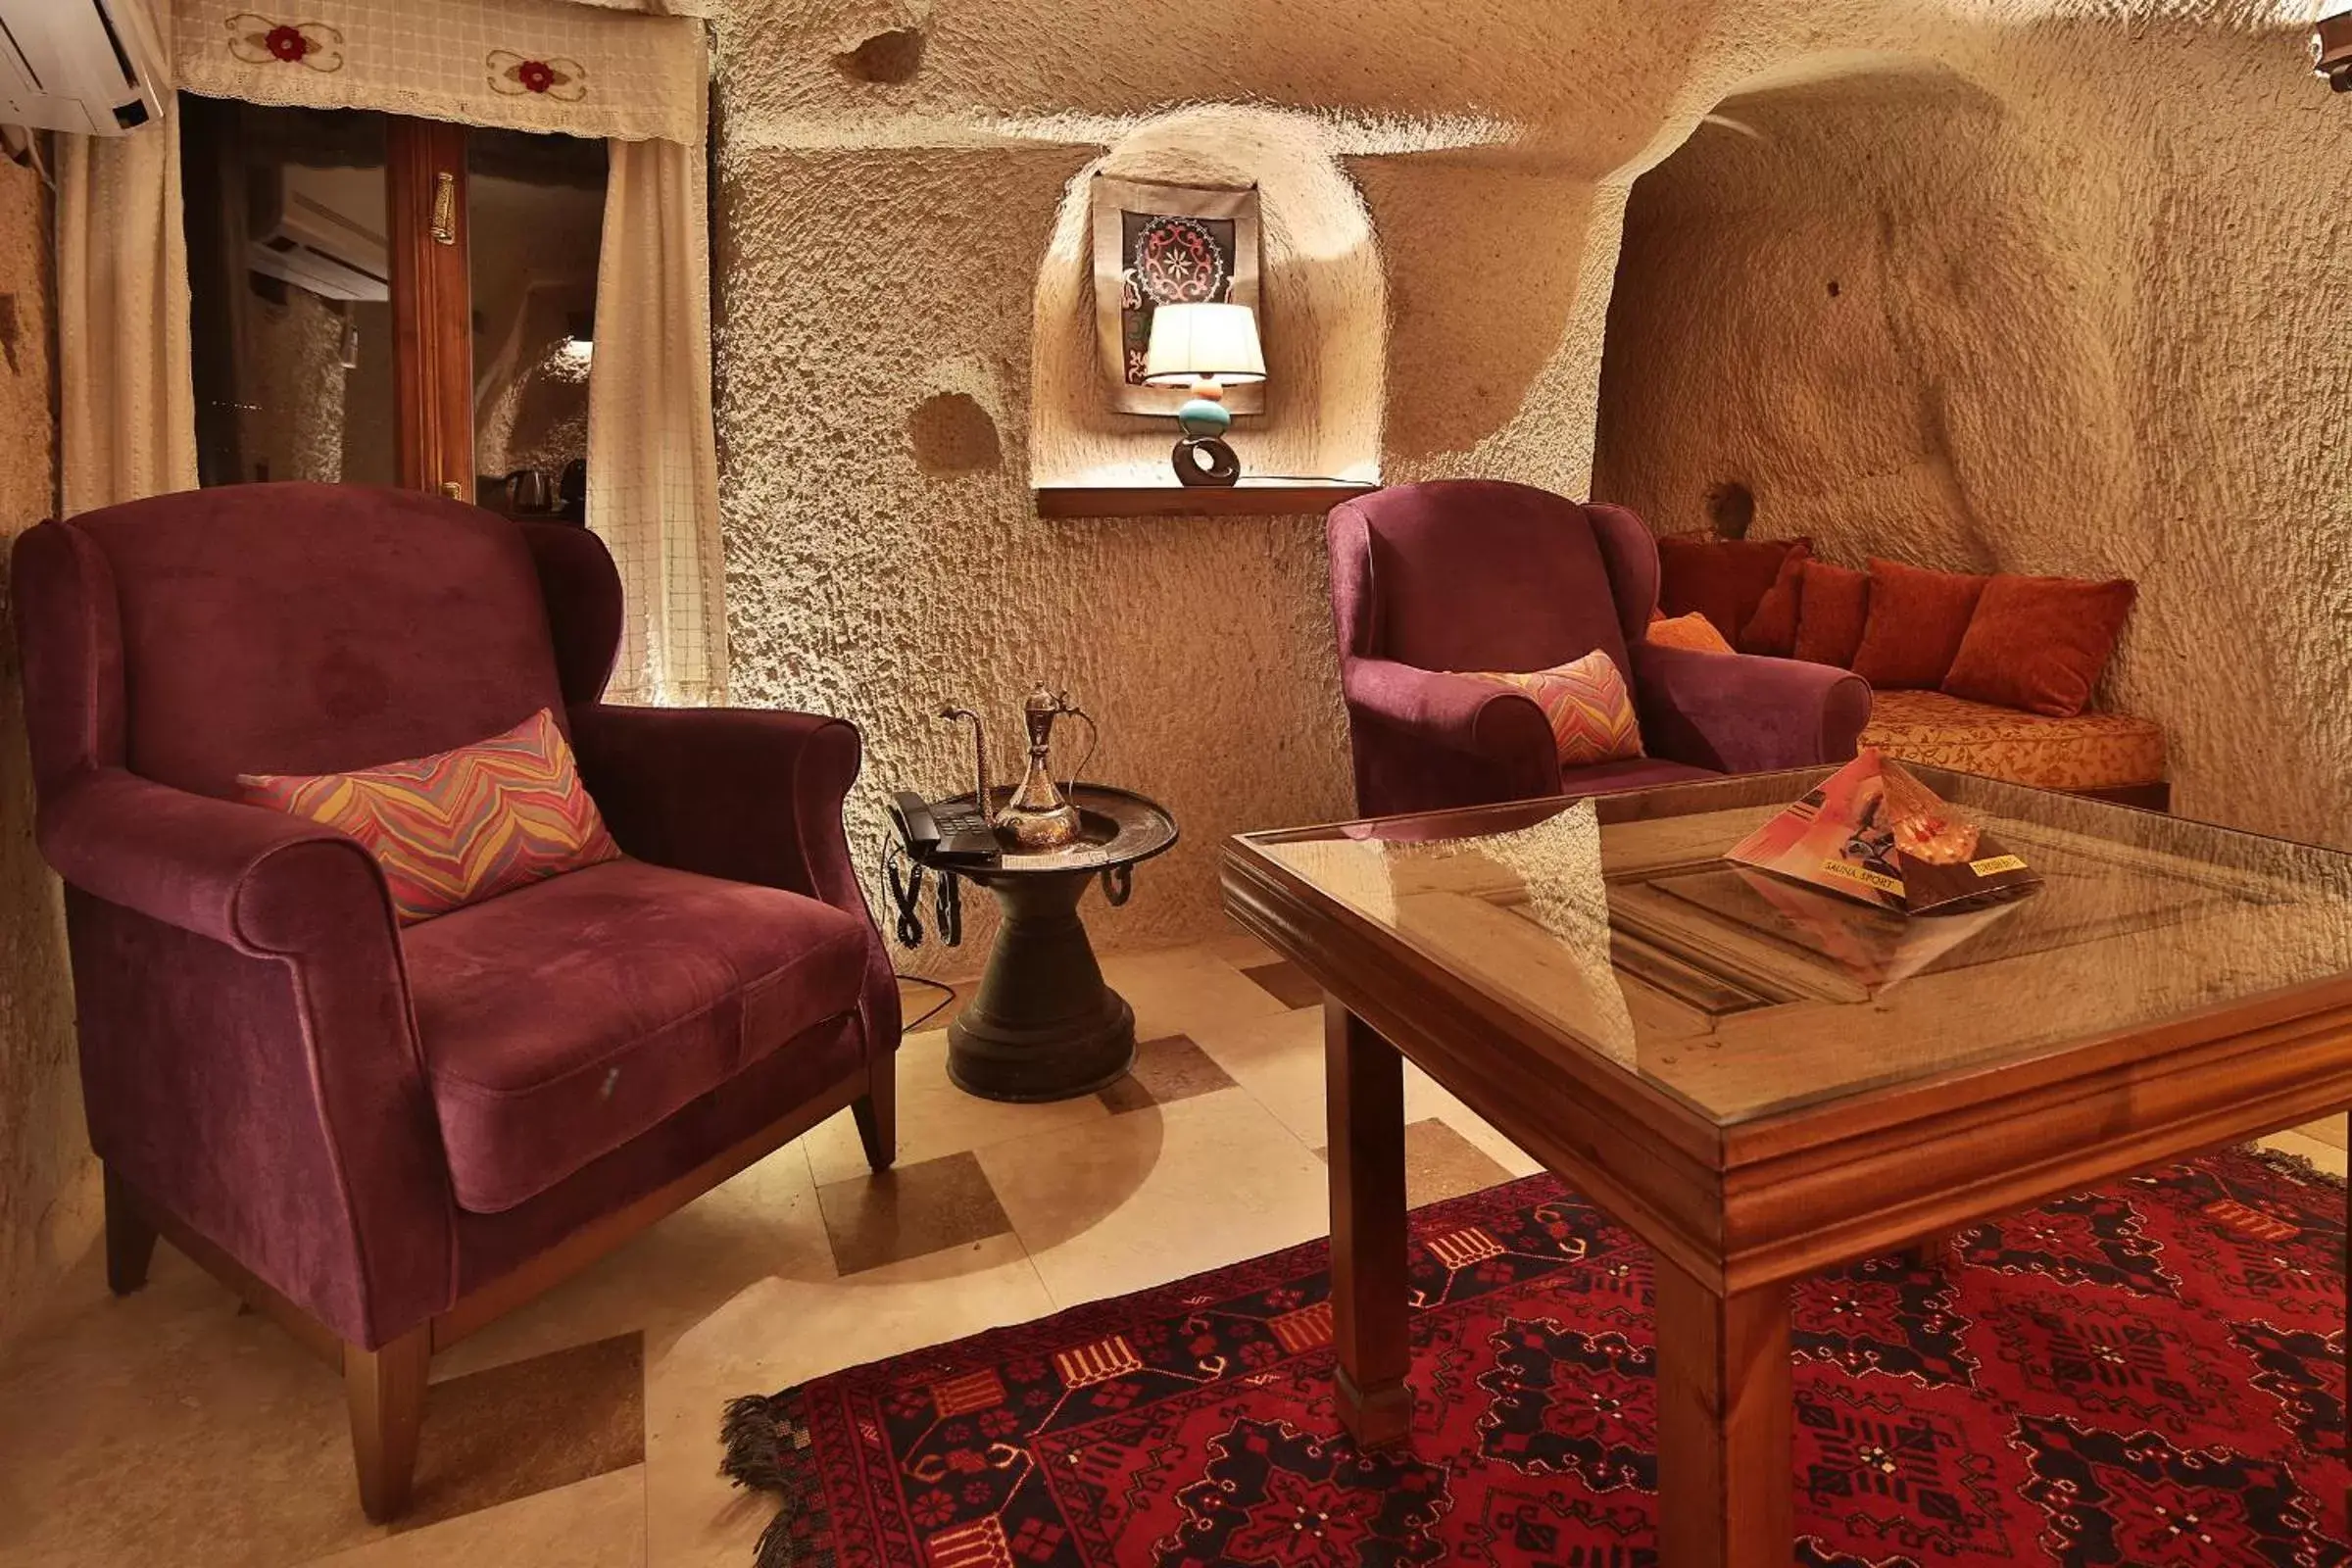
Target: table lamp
[(1211, 347)]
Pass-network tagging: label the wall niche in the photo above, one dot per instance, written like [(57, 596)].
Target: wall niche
[(1322, 308)]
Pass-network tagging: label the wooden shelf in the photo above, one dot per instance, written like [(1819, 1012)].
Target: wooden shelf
[(1251, 498)]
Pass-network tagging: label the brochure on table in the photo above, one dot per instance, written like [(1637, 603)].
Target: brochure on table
[(1874, 833)]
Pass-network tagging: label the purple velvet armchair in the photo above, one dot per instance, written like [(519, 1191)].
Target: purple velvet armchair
[(388, 1135), (1478, 574)]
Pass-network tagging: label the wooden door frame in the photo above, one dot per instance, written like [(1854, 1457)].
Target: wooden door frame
[(432, 305)]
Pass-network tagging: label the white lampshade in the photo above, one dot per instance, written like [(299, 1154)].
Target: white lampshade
[(1215, 343)]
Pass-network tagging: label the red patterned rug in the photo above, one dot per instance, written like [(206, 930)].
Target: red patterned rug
[(2150, 1374)]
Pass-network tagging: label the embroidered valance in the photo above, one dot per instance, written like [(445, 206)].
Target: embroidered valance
[(659, 7), (522, 65)]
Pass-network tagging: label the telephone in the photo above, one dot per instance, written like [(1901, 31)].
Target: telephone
[(938, 843), (956, 838)]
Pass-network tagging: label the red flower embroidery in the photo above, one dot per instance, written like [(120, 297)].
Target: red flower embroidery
[(556, 77), (259, 40)]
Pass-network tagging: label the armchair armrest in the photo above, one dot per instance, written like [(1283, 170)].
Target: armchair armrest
[(1499, 746), (1743, 713), (260, 881), (746, 794), (1461, 713), (751, 795), (247, 1052)]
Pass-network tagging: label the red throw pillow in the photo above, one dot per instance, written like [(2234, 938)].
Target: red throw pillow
[(1832, 606), (1772, 629), (1694, 631), (1917, 618), (1587, 702), (457, 827), (1721, 579), (2041, 643)]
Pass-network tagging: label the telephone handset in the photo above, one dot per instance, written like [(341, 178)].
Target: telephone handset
[(918, 828), (949, 836)]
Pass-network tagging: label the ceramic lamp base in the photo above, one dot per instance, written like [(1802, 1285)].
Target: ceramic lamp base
[(1204, 460)]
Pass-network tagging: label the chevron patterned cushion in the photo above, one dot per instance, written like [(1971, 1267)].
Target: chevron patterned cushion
[(460, 826), (1591, 710)]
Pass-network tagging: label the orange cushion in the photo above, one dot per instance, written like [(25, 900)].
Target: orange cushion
[(1772, 629), (1586, 700), (1722, 579), (2090, 751), (1694, 631), (1833, 602), (1916, 622), (459, 826), (2041, 643)]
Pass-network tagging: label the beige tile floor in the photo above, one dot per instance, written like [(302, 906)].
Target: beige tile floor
[(171, 1427)]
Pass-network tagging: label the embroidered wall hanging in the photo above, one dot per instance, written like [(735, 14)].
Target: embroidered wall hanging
[(1161, 245)]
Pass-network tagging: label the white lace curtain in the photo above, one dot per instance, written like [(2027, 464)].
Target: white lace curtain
[(601, 69)]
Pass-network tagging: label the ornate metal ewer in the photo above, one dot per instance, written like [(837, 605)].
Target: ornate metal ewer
[(1039, 815)]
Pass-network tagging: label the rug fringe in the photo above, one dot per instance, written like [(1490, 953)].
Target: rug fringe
[(749, 1433), (760, 1433), (2295, 1165)]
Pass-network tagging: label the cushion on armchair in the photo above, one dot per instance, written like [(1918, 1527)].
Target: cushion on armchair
[(1587, 704), (461, 825), (563, 1020), (1694, 631)]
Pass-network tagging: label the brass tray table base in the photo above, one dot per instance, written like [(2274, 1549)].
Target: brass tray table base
[(1043, 1025)]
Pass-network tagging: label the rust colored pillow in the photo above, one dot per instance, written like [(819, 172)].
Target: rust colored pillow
[(2041, 643), (1721, 579), (1772, 629), (1917, 618), (1694, 631), (1833, 602)]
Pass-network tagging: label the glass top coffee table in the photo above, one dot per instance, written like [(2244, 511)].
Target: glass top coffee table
[(1764, 1081)]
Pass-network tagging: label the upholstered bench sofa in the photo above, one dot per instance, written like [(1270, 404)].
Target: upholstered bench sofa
[(1985, 674), (2113, 755)]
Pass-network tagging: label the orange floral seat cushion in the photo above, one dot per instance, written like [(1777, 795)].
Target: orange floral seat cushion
[(2090, 751)]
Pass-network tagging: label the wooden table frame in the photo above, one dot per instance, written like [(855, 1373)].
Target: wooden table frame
[(1734, 1214)]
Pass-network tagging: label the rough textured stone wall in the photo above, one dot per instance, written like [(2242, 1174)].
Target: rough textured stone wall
[(2134, 348), (48, 1182), (291, 426)]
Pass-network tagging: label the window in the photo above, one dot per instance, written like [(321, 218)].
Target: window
[(378, 299)]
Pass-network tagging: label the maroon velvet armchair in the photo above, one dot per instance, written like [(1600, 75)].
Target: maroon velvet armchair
[(1478, 575), (388, 1135)]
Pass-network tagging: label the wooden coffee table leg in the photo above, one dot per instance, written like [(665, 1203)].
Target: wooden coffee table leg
[(1724, 1418), (1365, 1085)]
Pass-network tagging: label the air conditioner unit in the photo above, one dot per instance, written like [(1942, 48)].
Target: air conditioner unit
[(322, 229), (88, 66)]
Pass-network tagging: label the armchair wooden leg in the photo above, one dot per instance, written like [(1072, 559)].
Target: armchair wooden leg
[(386, 1391), (877, 1113), (129, 1239)]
